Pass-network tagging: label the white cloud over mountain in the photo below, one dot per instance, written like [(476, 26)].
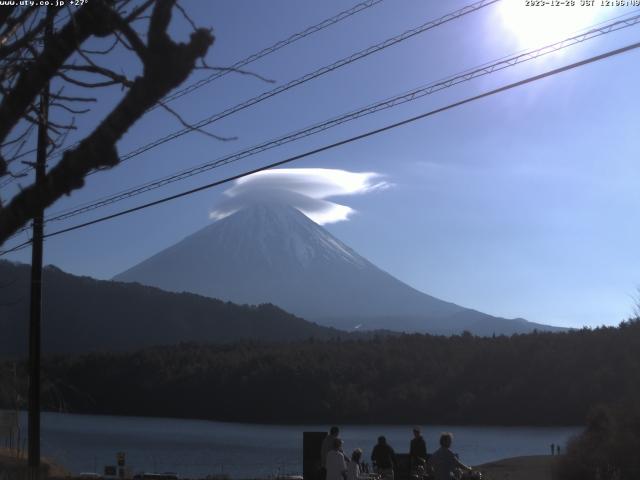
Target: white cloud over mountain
[(306, 189)]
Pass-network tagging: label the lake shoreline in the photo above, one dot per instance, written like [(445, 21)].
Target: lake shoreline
[(532, 467), (274, 423), (197, 448)]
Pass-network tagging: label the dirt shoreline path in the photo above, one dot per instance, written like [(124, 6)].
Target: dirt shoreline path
[(535, 467)]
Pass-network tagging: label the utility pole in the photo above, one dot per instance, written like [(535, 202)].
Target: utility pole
[(36, 281)]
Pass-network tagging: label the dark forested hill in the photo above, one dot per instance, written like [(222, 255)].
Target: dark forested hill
[(538, 378), (81, 314)]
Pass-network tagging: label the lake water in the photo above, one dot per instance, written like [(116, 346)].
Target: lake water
[(197, 448)]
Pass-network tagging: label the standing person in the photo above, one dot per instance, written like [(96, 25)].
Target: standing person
[(417, 449), (354, 468), (384, 458), (445, 463), (553, 449), (327, 445), (335, 462)]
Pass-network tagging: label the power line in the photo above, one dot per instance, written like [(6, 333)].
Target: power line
[(370, 133), (16, 248), (484, 69), (273, 48), (412, 95), (315, 74), (10, 179), (310, 76), (343, 15)]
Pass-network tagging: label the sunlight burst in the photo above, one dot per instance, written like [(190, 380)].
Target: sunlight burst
[(537, 26)]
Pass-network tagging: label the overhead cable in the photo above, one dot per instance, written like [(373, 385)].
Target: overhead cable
[(331, 146), (236, 66), (409, 96)]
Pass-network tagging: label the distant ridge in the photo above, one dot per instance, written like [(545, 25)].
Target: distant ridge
[(273, 253), (81, 314)]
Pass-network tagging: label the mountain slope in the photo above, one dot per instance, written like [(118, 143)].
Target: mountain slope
[(274, 253), (81, 314)]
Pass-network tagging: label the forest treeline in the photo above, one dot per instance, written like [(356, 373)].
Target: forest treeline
[(530, 379)]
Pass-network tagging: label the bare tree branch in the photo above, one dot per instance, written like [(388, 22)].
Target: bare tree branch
[(17, 139), (73, 99), (186, 16), (166, 65), (105, 72), (101, 52), (5, 13), (235, 70), (135, 43), (92, 18), (69, 109), (12, 25), (192, 127), (25, 40), (140, 10), (83, 84)]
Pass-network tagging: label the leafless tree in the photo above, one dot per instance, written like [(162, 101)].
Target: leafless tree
[(33, 54)]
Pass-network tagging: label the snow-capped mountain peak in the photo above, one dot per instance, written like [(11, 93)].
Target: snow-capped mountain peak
[(273, 253)]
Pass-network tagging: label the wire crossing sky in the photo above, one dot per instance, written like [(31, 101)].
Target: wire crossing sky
[(283, 88), (517, 205), (237, 66), (370, 109), (348, 60), (338, 144)]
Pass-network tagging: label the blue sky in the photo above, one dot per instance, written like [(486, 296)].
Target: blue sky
[(519, 205)]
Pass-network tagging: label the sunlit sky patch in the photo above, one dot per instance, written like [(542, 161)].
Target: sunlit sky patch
[(538, 25)]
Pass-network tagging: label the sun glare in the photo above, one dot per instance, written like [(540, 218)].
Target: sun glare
[(538, 25)]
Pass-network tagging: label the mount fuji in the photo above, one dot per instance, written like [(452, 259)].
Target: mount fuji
[(273, 253)]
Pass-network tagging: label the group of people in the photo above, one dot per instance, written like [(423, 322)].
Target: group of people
[(336, 465)]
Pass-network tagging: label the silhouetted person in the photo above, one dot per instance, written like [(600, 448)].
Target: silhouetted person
[(354, 468), (445, 463), (557, 449), (417, 449), (335, 463), (384, 458), (327, 445), (553, 449)]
